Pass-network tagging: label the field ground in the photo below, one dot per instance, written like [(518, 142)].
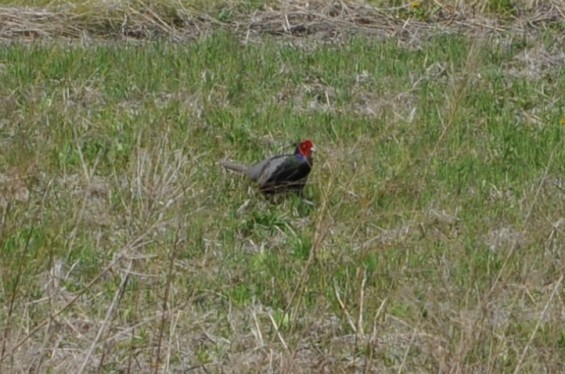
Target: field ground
[(433, 234)]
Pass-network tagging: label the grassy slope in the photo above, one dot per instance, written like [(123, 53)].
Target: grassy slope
[(434, 241)]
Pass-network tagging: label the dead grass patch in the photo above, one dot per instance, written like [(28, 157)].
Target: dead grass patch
[(328, 21)]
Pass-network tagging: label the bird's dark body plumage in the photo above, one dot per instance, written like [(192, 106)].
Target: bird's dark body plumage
[(281, 173)]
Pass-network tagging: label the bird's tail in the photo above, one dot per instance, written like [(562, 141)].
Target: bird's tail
[(235, 167)]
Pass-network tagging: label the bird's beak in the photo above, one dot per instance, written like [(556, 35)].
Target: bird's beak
[(313, 149)]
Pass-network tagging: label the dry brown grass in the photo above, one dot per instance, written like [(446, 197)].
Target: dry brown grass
[(325, 20)]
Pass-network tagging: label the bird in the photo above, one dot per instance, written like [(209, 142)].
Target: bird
[(281, 173)]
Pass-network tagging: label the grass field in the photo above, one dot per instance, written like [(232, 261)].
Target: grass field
[(432, 238)]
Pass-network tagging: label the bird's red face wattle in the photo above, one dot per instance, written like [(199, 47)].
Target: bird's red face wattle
[(306, 148)]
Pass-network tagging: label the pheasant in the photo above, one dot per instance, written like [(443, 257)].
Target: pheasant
[(282, 173)]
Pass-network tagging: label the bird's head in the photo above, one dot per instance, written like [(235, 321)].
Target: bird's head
[(305, 148)]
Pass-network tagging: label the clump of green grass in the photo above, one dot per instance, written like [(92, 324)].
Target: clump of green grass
[(432, 239)]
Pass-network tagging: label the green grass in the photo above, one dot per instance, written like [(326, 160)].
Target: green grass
[(433, 241)]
